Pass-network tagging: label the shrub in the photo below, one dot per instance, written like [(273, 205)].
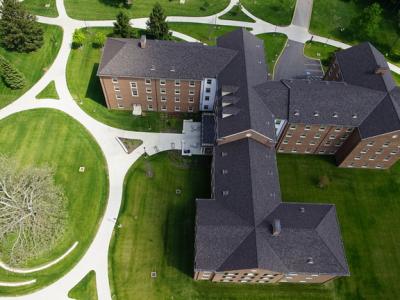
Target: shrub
[(12, 78), (99, 39), (78, 38), (323, 181)]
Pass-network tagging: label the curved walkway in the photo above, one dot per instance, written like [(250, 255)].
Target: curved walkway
[(118, 162)]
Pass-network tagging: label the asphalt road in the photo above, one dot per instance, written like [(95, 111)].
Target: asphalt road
[(294, 65)]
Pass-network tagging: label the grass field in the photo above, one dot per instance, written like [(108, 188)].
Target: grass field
[(277, 12), (38, 7), (320, 51), (86, 289), (32, 65), (205, 33), (396, 77), (48, 137), (237, 14), (108, 9), (49, 92), (157, 231), (337, 19), (85, 88), (273, 46)]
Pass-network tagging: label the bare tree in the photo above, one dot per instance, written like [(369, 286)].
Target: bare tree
[(32, 211)]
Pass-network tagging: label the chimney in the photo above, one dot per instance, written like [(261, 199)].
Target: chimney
[(276, 227), (143, 41), (381, 70)]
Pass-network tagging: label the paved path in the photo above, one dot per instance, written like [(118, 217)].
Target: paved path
[(118, 162), (302, 13)]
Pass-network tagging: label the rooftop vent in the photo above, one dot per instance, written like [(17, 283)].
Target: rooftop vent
[(223, 154), (225, 193), (276, 227), (224, 171), (296, 113), (153, 67), (143, 41), (302, 209), (381, 70), (310, 261), (172, 69), (316, 114), (354, 116), (335, 115)]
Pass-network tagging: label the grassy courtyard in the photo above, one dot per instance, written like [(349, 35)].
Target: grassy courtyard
[(32, 65), (107, 9), (273, 46), (86, 289), (45, 8), (320, 51), (157, 230), (237, 14), (277, 12), (48, 137), (49, 92), (85, 87), (337, 19)]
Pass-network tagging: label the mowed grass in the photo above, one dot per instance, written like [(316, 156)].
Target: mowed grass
[(48, 137), (32, 65), (86, 89), (320, 51), (338, 19), (49, 92), (237, 14), (157, 231), (273, 47), (205, 33), (108, 9), (277, 12), (86, 289), (396, 78), (38, 7)]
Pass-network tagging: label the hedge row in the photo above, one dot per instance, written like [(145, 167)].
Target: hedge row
[(12, 78)]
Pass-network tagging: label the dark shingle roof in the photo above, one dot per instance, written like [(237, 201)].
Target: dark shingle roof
[(245, 71), (275, 95), (207, 129), (124, 57), (358, 65)]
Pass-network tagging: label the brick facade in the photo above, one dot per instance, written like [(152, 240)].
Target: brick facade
[(153, 94)]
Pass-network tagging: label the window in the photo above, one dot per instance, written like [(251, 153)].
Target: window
[(303, 136), (386, 144), (307, 127), (370, 144), (117, 89), (373, 157), (192, 83), (207, 98), (338, 144), (177, 108), (321, 151), (191, 92), (190, 109), (393, 152), (298, 143), (133, 84), (294, 150), (387, 158), (292, 126), (317, 136), (345, 136), (150, 106), (208, 90), (358, 157), (363, 151), (134, 89), (289, 134), (205, 106), (209, 81), (322, 128), (148, 90), (149, 98), (162, 81), (163, 107), (177, 82), (327, 143), (349, 129), (285, 142), (148, 81), (312, 143), (114, 80), (337, 129), (177, 99), (177, 91), (163, 98), (379, 151), (191, 100), (119, 97), (163, 91), (332, 137)]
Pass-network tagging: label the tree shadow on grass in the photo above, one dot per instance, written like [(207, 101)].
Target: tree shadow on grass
[(94, 90)]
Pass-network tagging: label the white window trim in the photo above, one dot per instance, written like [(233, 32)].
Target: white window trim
[(147, 81), (163, 82)]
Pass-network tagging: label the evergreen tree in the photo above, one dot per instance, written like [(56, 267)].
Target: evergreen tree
[(157, 27), (122, 28), (12, 78), (19, 30)]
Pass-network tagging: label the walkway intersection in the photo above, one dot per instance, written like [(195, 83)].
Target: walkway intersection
[(118, 162)]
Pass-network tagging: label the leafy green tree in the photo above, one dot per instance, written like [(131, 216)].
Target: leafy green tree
[(122, 28), (19, 30), (78, 39), (12, 78), (157, 26), (99, 39), (370, 20)]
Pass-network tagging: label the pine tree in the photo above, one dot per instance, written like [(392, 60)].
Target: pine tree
[(12, 78), (19, 30), (122, 28), (157, 27)]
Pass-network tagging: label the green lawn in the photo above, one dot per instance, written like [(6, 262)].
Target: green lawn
[(157, 230), (49, 92), (38, 7), (205, 33), (273, 46), (335, 19), (237, 14), (44, 136), (85, 87), (32, 65), (86, 289), (320, 51), (108, 9), (277, 12), (396, 77)]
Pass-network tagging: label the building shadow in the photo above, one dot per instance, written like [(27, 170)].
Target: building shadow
[(94, 90)]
